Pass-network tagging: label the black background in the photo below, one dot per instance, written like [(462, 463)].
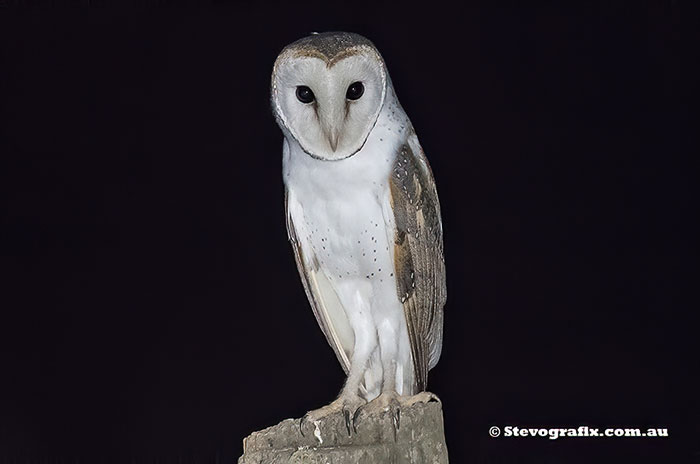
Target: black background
[(151, 308)]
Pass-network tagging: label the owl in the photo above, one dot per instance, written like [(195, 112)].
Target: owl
[(363, 219)]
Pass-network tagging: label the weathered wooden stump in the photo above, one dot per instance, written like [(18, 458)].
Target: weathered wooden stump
[(420, 439)]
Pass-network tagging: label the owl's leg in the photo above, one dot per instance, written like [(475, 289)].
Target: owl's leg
[(365, 333), (388, 400)]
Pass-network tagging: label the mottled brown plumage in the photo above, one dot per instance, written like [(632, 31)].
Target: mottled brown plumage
[(418, 257), (329, 46)]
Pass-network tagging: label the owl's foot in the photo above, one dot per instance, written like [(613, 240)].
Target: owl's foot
[(422, 397), (345, 405), (389, 401)]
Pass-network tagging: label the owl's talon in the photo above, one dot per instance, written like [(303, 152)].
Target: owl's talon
[(346, 414), (395, 411), (355, 418), (301, 425), (389, 403), (347, 406)]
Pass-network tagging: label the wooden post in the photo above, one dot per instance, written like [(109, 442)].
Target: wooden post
[(420, 439)]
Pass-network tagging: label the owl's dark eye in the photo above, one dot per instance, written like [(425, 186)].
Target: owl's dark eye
[(304, 94), (355, 91)]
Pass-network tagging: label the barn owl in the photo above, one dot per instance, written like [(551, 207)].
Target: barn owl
[(363, 219)]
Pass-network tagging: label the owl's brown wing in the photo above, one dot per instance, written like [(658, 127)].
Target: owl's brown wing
[(418, 256)]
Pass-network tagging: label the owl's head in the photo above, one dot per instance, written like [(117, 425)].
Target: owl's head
[(327, 92)]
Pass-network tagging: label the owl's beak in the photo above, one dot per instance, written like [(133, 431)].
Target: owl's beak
[(332, 123), (333, 139)]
